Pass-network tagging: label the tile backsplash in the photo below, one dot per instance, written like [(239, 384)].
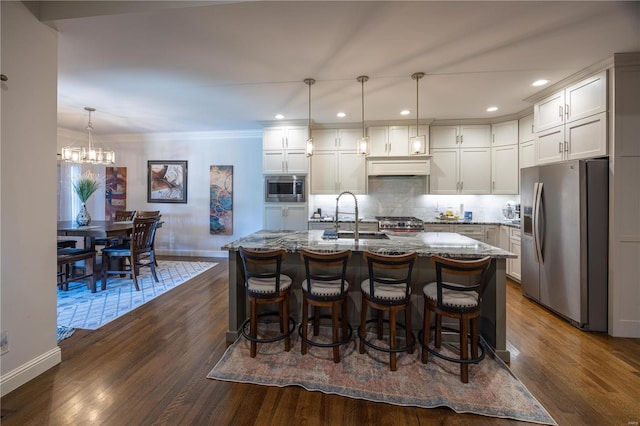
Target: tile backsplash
[(405, 196)]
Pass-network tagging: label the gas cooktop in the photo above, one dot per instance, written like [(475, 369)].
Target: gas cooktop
[(400, 223)]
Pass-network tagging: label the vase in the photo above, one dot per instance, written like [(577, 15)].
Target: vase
[(83, 218)]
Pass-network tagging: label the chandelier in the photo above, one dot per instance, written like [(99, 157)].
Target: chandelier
[(88, 154)]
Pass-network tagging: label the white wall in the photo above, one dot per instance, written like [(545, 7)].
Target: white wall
[(185, 231), (28, 188)]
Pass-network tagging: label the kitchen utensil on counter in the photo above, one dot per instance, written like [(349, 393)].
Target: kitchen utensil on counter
[(509, 210)]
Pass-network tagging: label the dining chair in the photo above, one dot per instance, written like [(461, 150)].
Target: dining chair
[(68, 257), (325, 286), (151, 213), (458, 300), (265, 284), (388, 289), (132, 252), (120, 216)]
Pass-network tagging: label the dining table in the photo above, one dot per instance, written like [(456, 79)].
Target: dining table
[(95, 229)]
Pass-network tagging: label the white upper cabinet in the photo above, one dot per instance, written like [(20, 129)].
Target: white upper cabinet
[(583, 99), (284, 150), (393, 141), (335, 171), (460, 171), (505, 172), (467, 136), (525, 129), (336, 139), (505, 133)]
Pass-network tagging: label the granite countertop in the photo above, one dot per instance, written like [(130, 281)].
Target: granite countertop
[(424, 243), (330, 219), (508, 223)]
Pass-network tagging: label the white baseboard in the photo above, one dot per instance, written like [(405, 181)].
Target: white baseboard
[(30, 370)]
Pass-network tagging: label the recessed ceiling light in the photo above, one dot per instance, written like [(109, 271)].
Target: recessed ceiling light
[(341, 114), (539, 82), (492, 109), (279, 116), (405, 112)]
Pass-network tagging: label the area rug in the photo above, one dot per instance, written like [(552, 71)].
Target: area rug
[(492, 389), (64, 333), (79, 308)]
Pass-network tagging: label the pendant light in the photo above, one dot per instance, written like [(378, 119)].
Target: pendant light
[(363, 142), (89, 153), (309, 82), (417, 143)]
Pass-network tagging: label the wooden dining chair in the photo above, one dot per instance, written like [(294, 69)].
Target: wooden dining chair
[(151, 213), (120, 216), (137, 252)]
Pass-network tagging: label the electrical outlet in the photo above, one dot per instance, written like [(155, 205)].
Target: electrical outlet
[(4, 342)]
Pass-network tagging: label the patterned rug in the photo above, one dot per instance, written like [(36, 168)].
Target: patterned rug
[(79, 308), (64, 333), (492, 389)]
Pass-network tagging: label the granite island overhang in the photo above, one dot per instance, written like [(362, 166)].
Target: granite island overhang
[(493, 318)]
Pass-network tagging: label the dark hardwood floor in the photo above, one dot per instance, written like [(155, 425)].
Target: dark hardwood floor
[(150, 367)]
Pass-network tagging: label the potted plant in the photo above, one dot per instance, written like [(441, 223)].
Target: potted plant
[(84, 187)]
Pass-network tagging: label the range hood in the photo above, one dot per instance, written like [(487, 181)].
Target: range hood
[(398, 167)]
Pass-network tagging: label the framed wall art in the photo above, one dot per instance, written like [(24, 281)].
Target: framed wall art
[(167, 182), (221, 201), (115, 191)]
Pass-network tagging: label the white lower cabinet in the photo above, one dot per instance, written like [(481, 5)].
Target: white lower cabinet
[(429, 227), (492, 235), (285, 217), (345, 226), (513, 265)]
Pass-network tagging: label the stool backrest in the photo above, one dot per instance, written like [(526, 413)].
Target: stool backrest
[(471, 268), (264, 265), (326, 267), (390, 269)]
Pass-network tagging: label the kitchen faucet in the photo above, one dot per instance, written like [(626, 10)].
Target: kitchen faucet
[(356, 234)]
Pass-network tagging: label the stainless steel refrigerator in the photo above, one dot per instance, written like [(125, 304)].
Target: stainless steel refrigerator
[(564, 209)]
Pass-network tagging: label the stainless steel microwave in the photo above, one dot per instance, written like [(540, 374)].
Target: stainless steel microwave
[(285, 189)]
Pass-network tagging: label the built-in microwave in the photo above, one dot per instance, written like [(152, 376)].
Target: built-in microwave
[(284, 189)]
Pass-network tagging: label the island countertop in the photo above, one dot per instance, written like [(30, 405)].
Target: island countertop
[(424, 243)]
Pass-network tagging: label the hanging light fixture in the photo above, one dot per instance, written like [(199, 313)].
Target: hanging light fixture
[(363, 142), (418, 143), (88, 154), (309, 82)]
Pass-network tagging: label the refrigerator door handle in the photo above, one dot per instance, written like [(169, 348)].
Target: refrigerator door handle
[(536, 221)]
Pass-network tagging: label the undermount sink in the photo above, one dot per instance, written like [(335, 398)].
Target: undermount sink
[(364, 235)]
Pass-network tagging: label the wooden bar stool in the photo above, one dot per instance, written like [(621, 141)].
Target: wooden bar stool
[(388, 289), (455, 300), (264, 284), (325, 286)]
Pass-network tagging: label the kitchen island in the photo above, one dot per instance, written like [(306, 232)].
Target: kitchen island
[(493, 318)]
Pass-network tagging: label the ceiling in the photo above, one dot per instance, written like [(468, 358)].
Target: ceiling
[(207, 66)]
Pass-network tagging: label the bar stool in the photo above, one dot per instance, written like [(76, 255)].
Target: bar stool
[(388, 289), (264, 284), (325, 286), (455, 300)]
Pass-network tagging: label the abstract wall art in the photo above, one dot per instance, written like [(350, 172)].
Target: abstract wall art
[(221, 202)]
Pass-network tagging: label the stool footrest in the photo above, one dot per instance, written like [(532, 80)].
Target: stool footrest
[(405, 348), (308, 341)]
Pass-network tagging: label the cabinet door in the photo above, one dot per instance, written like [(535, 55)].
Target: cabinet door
[(398, 141), (475, 135), (296, 137), (352, 172), (324, 172), (525, 129), (272, 138), (295, 217), (348, 139), (515, 264), (379, 139), (273, 217), (505, 172), (549, 112), (492, 235), (549, 145), (325, 139), (505, 237), (297, 162), (587, 137), (475, 171), (472, 231), (273, 162), (438, 228), (444, 171), (505, 133), (443, 136), (527, 156), (586, 98)]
